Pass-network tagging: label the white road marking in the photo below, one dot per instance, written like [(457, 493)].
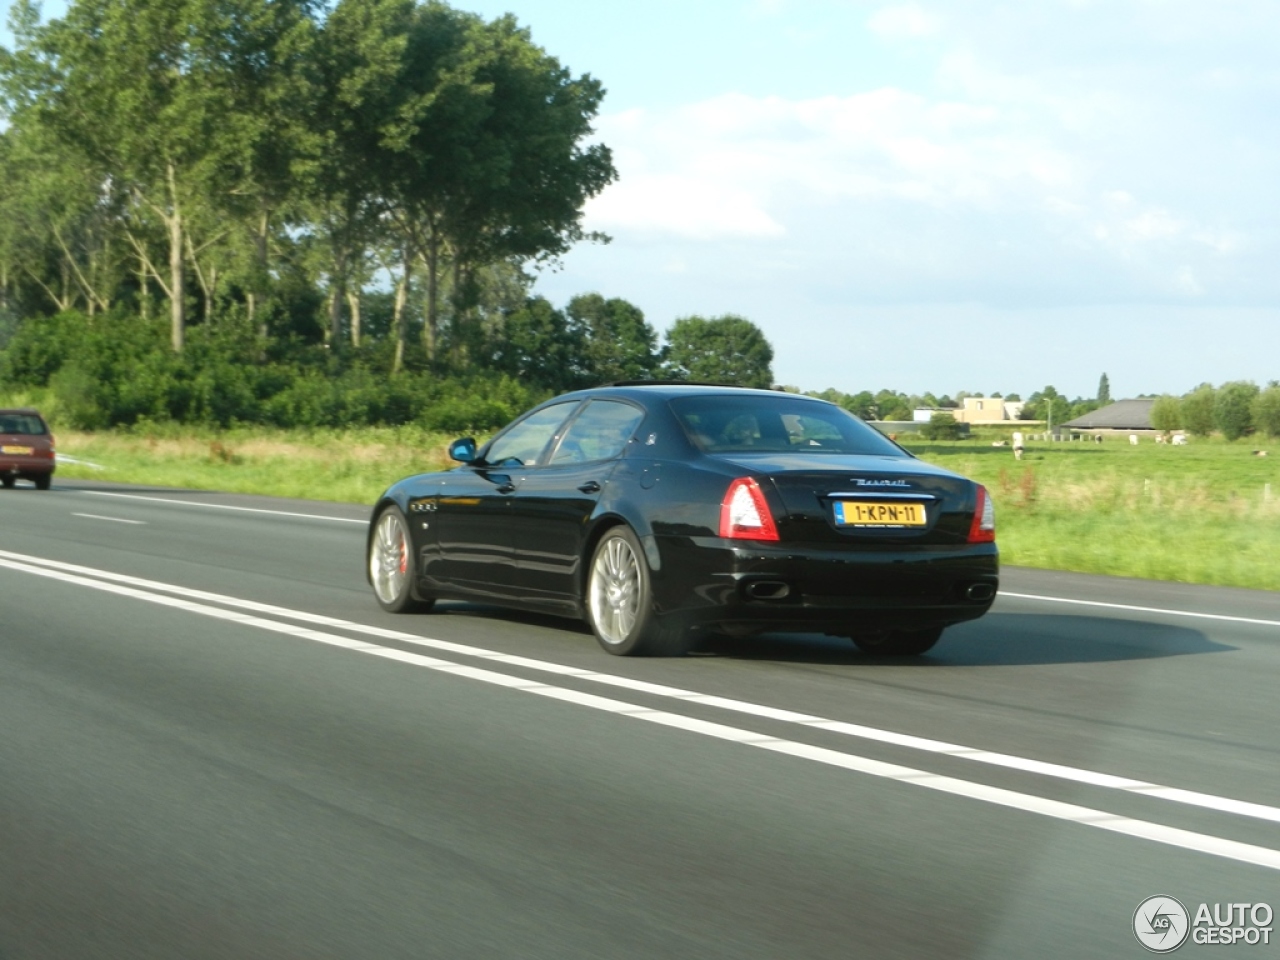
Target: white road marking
[(222, 506), (1085, 816), (94, 516), (1045, 768), (1136, 609)]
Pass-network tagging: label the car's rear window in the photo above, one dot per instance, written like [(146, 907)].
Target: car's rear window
[(718, 423), (22, 423)]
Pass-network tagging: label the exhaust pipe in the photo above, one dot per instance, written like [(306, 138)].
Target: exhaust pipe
[(767, 590), (980, 591)]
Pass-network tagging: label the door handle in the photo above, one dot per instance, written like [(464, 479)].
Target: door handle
[(591, 486), (507, 488)]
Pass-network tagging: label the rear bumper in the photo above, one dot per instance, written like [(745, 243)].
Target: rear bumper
[(11, 466), (762, 586)]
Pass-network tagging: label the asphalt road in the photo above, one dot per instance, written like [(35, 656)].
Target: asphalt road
[(214, 744)]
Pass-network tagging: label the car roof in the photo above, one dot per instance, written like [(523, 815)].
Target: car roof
[(672, 389)]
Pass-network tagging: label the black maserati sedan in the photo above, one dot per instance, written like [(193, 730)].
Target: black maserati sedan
[(660, 510)]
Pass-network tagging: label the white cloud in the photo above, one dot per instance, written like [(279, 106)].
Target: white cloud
[(684, 205), (905, 20), (1187, 283), (732, 165)]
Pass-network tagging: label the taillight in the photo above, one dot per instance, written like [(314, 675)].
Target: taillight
[(983, 528), (744, 515)]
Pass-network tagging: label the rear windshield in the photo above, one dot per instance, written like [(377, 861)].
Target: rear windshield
[(22, 423), (781, 424)]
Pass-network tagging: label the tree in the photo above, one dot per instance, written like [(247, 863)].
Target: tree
[(728, 349), (1166, 413), (1266, 410), (1231, 409), (359, 55), (620, 345), (1197, 410), (1047, 405), (168, 100), (58, 227), (481, 155), (539, 346), (861, 404), (1104, 391)]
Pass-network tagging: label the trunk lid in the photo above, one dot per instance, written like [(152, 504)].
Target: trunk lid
[(865, 499)]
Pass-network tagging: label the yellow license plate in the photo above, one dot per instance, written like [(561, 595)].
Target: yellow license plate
[(851, 513), (18, 451)]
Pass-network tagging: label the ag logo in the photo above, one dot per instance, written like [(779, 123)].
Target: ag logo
[(1161, 924)]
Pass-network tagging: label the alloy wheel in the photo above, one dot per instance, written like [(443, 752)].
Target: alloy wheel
[(389, 558), (615, 590)]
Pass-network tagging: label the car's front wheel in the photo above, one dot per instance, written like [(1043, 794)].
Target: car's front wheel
[(620, 600), (898, 643), (392, 570)]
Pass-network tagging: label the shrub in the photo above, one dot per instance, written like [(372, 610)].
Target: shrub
[(1231, 409), (38, 348), (1166, 413), (1266, 410), (1197, 410), (941, 426)]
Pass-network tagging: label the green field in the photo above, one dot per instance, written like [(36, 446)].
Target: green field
[(1202, 513), (1208, 512)]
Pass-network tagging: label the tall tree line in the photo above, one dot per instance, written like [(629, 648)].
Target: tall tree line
[(265, 162)]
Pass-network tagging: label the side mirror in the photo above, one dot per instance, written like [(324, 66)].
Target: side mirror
[(464, 450)]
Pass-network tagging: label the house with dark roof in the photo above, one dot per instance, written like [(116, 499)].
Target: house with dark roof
[(1121, 415)]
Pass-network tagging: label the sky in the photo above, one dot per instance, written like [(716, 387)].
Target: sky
[(978, 195)]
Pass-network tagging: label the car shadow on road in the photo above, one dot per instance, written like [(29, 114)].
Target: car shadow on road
[(998, 639)]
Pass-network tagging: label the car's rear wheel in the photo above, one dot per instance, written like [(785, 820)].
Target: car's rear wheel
[(898, 643), (8, 482), (392, 570), (43, 480), (620, 601)]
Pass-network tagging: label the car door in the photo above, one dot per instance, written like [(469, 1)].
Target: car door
[(554, 501), (473, 510)]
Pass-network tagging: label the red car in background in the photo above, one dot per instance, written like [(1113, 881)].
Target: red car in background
[(26, 448)]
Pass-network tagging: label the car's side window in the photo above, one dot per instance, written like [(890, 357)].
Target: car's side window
[(524, 442), (600, 432)]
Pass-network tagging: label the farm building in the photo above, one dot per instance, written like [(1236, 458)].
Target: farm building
[(1123, 415), (987, 410)]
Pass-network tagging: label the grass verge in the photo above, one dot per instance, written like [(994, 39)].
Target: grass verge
[(343, 466), (1205, 513)]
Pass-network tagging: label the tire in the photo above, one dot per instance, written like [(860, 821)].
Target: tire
[(899, 643), (42, 481), (391, 566), (620, 601), (8, 482)]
